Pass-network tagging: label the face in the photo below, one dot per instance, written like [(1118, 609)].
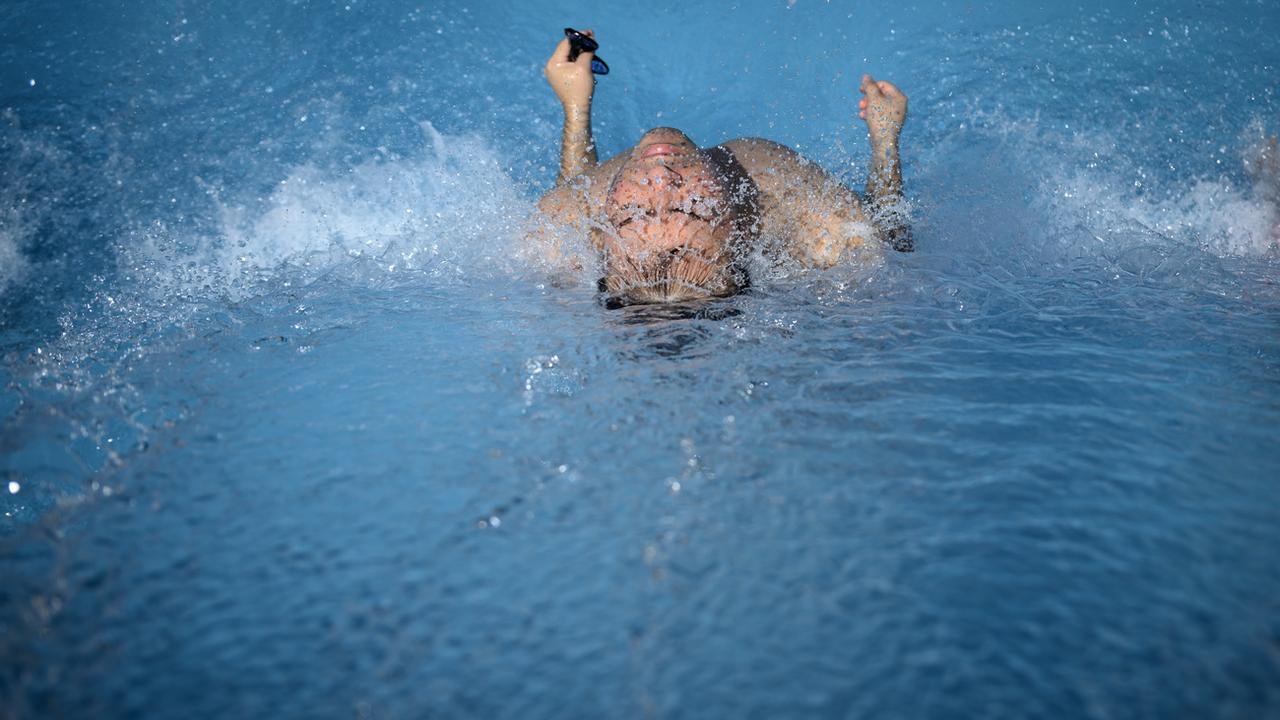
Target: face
[(670, 224)]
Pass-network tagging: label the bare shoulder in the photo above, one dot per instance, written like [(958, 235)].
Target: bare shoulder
[(778, 170), (801, 202), (755, 146), (760, 156), (567, 212), (582, 197)]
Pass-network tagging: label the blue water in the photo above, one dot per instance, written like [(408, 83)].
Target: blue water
[(288, 428)]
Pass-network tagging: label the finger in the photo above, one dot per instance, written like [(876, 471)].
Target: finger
[(587, 54), (869, 87), (889, 89)]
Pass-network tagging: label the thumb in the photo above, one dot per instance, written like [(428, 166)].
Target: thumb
[(869, 86)]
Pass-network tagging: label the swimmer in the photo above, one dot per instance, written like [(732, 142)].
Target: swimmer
[(1262, 164), (673, 222)]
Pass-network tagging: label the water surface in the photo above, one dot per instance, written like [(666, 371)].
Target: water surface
[(288, 430)]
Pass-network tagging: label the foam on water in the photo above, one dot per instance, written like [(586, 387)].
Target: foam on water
[(1215, 215), (12, 262), (446, 216), (1010, 194), (25, 161), (1004, 195), (451, 212), (446, 213)]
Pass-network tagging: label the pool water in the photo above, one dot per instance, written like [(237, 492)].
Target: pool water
[(289, 427)]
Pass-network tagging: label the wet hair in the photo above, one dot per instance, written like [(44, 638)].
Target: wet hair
[(673, 276), (614, 297)]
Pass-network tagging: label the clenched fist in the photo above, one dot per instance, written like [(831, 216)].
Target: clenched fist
[(884, 107), (572, 81)]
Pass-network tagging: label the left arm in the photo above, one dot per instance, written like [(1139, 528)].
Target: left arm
[(884, 107), (823, 218), (810, 208)]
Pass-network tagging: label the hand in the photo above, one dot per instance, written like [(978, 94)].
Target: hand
[(572, 82), (1262, 161), (884, 107)]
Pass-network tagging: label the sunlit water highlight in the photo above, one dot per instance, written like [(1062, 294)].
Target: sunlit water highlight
[(289, 427)]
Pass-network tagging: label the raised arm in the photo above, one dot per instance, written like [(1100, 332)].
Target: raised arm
[(574, 84), (884, 107), (563, 211), (820, 217)]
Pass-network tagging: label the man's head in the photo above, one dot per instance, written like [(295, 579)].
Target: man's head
[(674, 228)]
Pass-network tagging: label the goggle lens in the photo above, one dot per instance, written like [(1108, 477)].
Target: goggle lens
[(579, 43)]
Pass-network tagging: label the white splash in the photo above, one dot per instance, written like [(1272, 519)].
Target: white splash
[(1214, 215), (449, 211), (1122, 202), (13, 264)]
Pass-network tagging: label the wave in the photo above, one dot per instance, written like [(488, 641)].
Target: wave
[(13, 264), (447, 212), (1021, 193)]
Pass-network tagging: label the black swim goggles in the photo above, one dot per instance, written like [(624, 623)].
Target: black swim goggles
[(579, 43)]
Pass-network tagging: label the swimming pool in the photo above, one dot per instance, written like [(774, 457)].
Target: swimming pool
[(286, 430)]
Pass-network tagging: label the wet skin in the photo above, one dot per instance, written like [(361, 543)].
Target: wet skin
[(667, 195), (672, 221)]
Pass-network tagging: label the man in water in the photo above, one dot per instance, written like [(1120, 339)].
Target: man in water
[(675, 222), (1262, 163)]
